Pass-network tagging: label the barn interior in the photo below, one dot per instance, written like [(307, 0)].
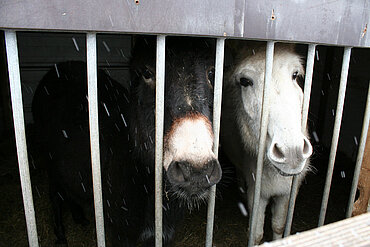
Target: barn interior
[(39, 52)]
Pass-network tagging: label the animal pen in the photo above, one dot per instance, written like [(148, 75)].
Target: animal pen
[(312, 23)]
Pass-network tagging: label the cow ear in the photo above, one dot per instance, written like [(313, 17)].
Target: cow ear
[(236, 48), (239, 49)]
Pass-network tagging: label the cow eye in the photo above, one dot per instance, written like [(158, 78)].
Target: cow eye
[(295, 75), (298, 78), (245, 82), (147, 74), (211, 75)]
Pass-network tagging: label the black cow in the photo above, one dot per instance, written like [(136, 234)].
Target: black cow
[(126, 123)]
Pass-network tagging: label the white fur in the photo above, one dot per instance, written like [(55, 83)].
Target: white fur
[(191, 140), (240, 131)]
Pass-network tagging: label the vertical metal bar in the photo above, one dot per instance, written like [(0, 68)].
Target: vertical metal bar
[(307, 84), (360, 155), (261, 148), (20, 136), (159, 121), (217, 98), (337, 123), (92, 85), (305, 106)]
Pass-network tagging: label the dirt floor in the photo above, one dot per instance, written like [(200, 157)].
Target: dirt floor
[(230, 224)]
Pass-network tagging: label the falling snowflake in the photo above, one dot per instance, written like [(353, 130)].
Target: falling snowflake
[(242, 209)]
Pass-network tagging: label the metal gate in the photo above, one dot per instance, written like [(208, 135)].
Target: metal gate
[(312, 23)]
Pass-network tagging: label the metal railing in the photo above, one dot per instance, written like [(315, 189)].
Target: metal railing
[(16, 99), (159, 121), (92, 85), (360, 155), (305, 106), (216, 130), (261, 147), (20, 135), (334, 142)]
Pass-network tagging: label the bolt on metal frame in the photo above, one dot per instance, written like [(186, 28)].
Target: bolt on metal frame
[(16, 97)]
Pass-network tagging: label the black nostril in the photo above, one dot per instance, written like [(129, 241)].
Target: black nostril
[(213, 172), (178, 172), (306, 147), (183, 173), (277, 152)]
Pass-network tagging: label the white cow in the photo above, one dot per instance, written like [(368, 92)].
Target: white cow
[(287, 147)]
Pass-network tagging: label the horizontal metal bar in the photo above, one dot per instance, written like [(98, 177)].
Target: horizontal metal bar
[(360, 155), (159, 121), (92, 82), (274, 20), (305, 106), (334, 141), (262, 140), (20, 136), (217, 98)]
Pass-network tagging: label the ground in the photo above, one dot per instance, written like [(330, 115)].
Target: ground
[(230, 227)]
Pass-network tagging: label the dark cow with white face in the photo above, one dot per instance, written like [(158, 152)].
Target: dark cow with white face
[(189, 161), (127, 139)]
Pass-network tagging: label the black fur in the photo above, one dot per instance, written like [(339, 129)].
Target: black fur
[(126, 144)]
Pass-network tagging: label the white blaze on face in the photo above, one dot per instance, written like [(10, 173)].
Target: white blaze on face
[(189, 139)]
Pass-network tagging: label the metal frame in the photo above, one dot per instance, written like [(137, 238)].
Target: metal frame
[(313, 21), (229, 19), (92, 87)]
